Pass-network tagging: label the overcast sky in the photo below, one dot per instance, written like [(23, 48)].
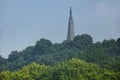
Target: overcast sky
[(23, 22)]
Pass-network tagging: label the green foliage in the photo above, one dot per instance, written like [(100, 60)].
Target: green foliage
[(82, 41), (42, 46), (13, 56), (4, 75), (2, 60), (118, 42), (106, 54), (73, 69)]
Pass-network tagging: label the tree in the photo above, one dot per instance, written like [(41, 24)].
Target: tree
[(2, 60), (118, 42), (42, 46), (13, 56), (82, 41)]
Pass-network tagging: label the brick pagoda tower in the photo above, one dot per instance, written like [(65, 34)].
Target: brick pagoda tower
[(70, 34)]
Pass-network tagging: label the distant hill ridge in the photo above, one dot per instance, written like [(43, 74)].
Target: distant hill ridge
[(106, 54)]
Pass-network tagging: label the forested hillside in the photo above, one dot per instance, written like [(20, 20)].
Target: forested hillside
[(74, 69), (105, 54)]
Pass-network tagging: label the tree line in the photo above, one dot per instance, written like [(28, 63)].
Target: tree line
[(106, 54)]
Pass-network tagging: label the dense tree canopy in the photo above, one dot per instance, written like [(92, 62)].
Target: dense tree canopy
[(74, 69), (42, 46), (82, 41), (106, 54)]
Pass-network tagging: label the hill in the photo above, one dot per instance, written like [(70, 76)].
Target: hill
[(106, 54)]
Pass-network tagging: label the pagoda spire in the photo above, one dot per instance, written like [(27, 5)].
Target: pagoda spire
[(70, 34), (70, 11)]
